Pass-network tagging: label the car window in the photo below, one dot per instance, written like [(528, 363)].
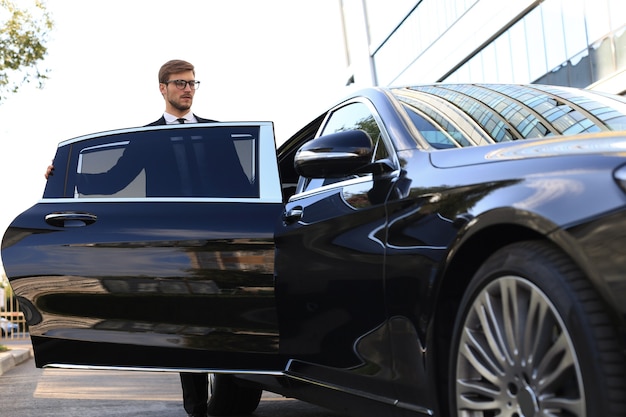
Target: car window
[(354, 116), (216, 162), (101, 158)]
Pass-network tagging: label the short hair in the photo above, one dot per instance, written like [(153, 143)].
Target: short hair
[(172, 67)]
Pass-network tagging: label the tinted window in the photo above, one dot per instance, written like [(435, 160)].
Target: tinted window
[(216, 162), (501, 112)]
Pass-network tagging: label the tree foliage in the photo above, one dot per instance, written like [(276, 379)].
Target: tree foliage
[(23, 36)]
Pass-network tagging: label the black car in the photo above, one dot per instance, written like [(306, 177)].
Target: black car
[(434, 250)]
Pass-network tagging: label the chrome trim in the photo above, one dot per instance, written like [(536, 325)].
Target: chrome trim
[(313, 155), (335, 185), (161, 127), (154, 369), (269, 180), (272, 200)]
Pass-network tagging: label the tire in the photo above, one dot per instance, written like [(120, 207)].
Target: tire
[(532, 338), (227, 398)]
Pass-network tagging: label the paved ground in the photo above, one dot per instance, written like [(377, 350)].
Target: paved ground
[(20, 351)]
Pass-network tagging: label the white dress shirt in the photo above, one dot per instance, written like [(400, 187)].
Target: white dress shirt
[(170, 119)]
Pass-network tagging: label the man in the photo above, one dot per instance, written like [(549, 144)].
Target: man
[(178, 86)]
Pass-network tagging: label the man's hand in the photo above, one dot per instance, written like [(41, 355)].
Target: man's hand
[(49, 171)]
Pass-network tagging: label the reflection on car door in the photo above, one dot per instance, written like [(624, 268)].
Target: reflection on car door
[(154, 247)]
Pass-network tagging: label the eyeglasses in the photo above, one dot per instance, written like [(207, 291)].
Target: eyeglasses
[(182, 84)]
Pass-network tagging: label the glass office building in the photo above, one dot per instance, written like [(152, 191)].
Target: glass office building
[(579, 43)]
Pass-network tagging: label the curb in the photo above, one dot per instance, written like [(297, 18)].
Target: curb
[(11, 358)]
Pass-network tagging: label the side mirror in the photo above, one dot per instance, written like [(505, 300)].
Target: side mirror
[(334, 156)]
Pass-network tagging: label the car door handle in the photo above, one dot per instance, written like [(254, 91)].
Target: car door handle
[(71, 219), (293, 215)]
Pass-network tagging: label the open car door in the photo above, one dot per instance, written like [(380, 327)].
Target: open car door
[(153, 247)]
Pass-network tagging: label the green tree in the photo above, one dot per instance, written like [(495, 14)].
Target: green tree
[(23, 35)]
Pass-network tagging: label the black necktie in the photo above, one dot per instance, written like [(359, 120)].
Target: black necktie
[(181, 121)]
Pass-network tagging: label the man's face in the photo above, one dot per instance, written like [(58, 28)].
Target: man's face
[(177, 100)]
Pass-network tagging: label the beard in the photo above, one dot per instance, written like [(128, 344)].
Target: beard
[(179, 105)]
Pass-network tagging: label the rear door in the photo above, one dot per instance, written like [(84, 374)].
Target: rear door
[(153, 247)]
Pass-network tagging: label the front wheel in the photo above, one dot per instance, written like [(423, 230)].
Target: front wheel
[(227, 398), (532, 338)]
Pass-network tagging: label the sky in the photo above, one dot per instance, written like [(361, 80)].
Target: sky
[(271, 60)]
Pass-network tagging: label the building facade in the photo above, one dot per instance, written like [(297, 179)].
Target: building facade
[(580, 43)]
